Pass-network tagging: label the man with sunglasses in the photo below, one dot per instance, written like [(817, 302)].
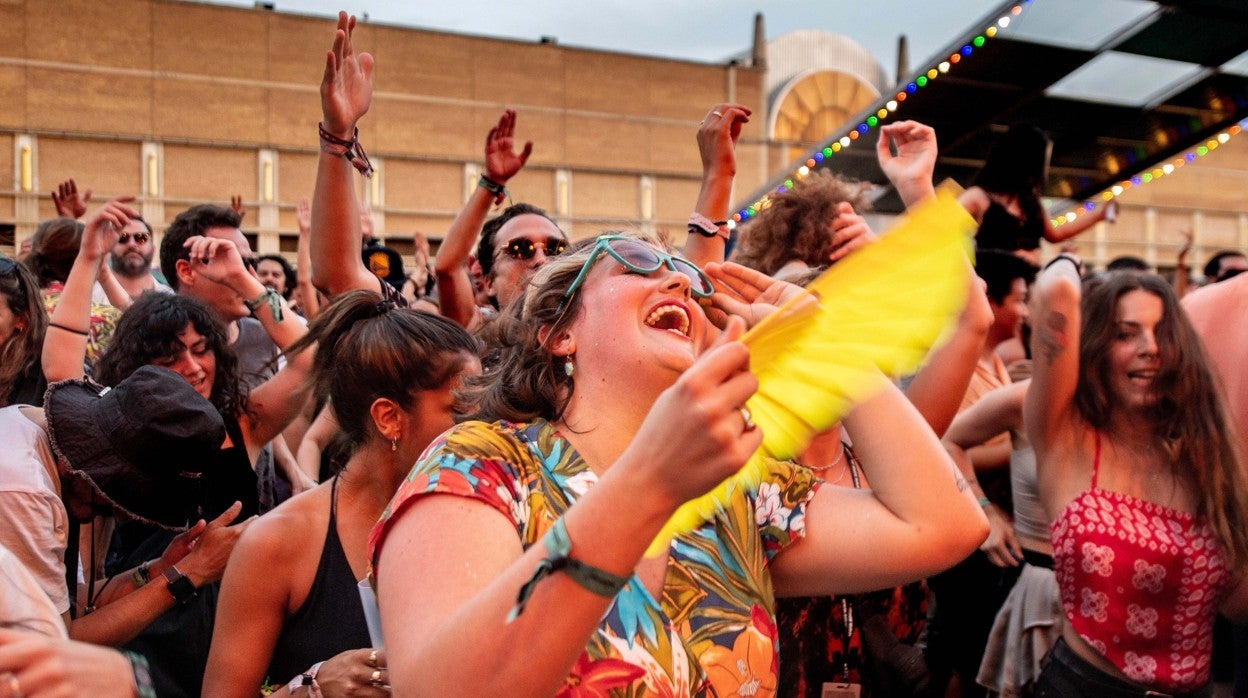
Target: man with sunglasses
[(131, 261), (512, 245)]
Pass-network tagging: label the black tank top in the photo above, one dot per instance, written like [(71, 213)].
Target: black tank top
[(1002, 230), (331, 619)]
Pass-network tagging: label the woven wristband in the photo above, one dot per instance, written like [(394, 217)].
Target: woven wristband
[(351, 150), (559, 547), (269, 296)]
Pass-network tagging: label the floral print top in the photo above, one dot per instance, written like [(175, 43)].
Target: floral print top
[(713, 633), (101, 324)]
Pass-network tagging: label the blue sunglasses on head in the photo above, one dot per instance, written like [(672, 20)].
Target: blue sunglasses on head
[(640, 258)]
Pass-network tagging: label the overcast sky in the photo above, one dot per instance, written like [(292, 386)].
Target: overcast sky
[(703, 30)]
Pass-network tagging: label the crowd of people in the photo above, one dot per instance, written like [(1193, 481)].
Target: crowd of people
[(225, 475)]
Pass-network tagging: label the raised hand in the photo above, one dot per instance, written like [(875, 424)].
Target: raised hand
[(347, 85), (746, 293), (303, 215), (911, 169), (216, 259), (699, 420), (849, 232), (68, 201), (717, 138), (502, 162), (236, 203), (104, 225)]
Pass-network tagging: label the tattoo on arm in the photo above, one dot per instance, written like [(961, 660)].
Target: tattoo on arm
[(1053, 336)]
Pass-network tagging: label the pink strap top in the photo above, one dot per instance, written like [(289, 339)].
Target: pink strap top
[(1141, 583)]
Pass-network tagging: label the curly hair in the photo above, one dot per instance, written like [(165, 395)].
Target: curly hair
[(797, 224), (21, 351), (1203, 438), (53, 250), (370, 349), (191, 222), (149, 330)]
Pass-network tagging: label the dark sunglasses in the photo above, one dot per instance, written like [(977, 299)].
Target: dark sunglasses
[(640, 258), (524, 248), (139, 238)]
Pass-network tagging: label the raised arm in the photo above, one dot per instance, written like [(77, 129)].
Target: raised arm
[(346, 93), (717, 142), (275, 403), (427, 609), (68, 201), (310, 304), (456, 299), (919, 517), (938, 387), (1049, 407), (65, 347), (1000, 410), (1067, 231), (910, 169)]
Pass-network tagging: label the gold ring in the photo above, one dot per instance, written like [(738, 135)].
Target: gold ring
[(716, 113), (749, 422), (372, 658), (376, 678)]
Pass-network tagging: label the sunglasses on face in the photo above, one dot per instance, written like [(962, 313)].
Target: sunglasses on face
[(525, 249), (640, 258), (139, 238)]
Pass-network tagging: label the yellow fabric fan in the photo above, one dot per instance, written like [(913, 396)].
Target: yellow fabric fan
[(875, 313)]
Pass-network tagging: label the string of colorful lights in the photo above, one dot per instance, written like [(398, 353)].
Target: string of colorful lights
[(1150, 176), (885, 112)]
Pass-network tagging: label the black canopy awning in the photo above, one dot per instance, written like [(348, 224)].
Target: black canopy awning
[(1124, 87)]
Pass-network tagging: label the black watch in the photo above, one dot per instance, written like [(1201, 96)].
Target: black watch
[(180, 586)]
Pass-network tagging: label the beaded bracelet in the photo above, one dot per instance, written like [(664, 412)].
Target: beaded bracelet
[(351, 150)]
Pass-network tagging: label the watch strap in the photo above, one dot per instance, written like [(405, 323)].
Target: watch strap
[(180, 587)]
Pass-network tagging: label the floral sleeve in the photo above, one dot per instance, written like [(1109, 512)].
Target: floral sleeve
[(780, 505), (475, 460)]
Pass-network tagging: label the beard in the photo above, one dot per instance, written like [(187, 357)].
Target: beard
[(132, 264)]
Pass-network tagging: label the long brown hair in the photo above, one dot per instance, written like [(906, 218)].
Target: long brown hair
[(1189, 417), (19, 353)]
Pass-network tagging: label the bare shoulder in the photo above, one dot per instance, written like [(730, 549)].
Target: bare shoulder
[(290, 532)]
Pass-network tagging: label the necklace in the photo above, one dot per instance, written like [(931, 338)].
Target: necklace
[(821, 468)]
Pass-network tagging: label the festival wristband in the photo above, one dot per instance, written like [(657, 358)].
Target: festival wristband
[(272, 298), (707, 228), (558, 558)]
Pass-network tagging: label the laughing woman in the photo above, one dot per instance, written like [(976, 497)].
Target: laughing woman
[(1137, 472), (525, 530)]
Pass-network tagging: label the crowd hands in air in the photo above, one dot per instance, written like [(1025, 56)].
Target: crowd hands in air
[(565, 397)]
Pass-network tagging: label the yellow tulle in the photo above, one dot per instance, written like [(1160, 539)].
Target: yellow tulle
[(873, 315)]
